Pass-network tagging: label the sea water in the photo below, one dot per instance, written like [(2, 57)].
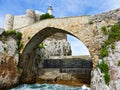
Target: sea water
[(47, 87)]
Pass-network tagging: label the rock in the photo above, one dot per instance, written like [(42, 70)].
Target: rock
[(9, 73), (54, 48), (1, 47), (114, 70), (12, 46), (97, 80), (49, 76)]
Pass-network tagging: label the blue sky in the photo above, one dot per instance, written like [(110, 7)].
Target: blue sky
[(61, 8)]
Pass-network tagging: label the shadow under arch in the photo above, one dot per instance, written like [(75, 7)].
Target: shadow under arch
[(26, 62)]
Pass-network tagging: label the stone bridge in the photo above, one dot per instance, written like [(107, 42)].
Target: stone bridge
[(75, 26), (85, 28)]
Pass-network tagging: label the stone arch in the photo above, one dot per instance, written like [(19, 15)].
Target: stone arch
[(39, 37), (34, 43), (41, 30), (42, 35)]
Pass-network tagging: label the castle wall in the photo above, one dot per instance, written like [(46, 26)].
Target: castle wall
[(24, 20), (31, 17), (16, 22)]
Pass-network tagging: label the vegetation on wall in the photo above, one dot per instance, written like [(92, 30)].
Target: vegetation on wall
[(46, 16), (29, 37), (104, 52), (10, 32), (1, 38), (104, 30), (118, 63), (90, 22), (41, 45), (105, 69), (113, 35), (17, 35)]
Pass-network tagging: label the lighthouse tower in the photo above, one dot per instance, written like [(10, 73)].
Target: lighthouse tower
[(50, 10)]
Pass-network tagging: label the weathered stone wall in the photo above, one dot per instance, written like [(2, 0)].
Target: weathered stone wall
[(24, 20)]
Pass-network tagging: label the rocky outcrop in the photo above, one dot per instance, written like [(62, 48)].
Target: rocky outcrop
[(9, 73), (107, 19), (97, 80), (114, 68), (55, 48), (97, 83)]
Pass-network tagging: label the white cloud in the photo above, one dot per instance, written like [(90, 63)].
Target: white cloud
[(62, 7), (80, 7), (113, 4)]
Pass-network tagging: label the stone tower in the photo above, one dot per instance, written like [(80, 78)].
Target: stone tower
[(9, 20), (50, 10)]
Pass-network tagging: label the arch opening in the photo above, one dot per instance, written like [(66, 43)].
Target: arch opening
[(33, 63)]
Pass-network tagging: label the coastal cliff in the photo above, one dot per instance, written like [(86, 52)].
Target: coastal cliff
[(9, 58)]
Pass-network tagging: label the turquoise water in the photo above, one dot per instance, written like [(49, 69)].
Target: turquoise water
[(46, 87)]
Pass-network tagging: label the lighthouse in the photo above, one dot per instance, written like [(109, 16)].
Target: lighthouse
[(50, 10)]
